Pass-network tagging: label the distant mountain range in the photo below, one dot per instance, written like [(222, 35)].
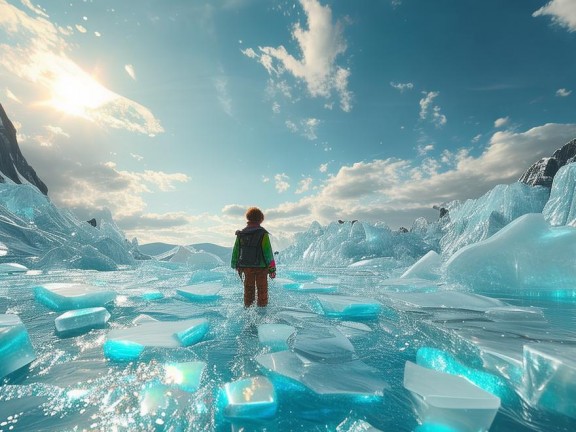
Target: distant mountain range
[(13, 165)]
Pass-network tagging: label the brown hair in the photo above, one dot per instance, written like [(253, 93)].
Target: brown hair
[(254, 214)]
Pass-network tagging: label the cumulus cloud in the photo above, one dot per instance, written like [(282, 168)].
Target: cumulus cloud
[(563, 92), (36, 52), (304, 185), (320, 43), (429, 111), (281, 182), (563, 13)]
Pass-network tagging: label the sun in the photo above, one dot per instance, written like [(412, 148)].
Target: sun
[(78, 93)]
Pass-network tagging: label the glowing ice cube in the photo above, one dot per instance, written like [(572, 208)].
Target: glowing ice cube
[(81, 319), (67, 296), (16, 350), (250, 398)]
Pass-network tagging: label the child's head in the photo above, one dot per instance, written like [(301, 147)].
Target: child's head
[(254, 214)]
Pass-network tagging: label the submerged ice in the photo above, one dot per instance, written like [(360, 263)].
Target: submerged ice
[(464, 323)]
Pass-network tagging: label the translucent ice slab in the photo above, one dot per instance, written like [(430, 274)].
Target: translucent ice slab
[(550, 377), (200, 276), (445, 299), (323, 343), (300, 276), (67, 296), (11, 268), (275, 336), (249, 398), (201, 291), (152, 295), (186, 376), (352, 378), (16, 350), (127, 344), (81, 320), (449, 400), (349, 307), (317, 287)]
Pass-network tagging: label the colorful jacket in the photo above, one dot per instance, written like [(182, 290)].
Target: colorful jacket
[(267, 259)]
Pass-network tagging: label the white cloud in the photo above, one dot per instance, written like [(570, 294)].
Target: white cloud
[(130, 71), (12, 96), (320, 44), (429, 111), (304, 185), (563, 92), (221, 85), (402, 87), (281, 182), (323, 168), (502, 121), (305, 127), (36, 9), (81, 28), (36, 52), (563, 12), (424, 149)]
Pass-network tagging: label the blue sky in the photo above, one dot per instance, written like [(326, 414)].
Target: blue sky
[(178, 115)]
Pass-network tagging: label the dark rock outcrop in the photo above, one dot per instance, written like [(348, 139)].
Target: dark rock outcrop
[(13, 165), (542, 172)]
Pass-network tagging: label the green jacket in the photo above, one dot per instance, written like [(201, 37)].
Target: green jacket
[(267, 254)]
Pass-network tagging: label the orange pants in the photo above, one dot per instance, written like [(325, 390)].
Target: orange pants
[(255, 279)]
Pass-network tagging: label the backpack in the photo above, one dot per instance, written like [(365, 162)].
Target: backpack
[(250, 254)]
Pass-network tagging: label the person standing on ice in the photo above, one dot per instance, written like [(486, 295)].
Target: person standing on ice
[(253, 258)]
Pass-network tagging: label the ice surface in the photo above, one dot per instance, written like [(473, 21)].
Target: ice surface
[(561, 207), (349, 307), (275, 336), (450, 401), (186, 376), (81, 320), (201, 276), (528, 254), (201, 291), (16, 350), (249, 398), (127, 344), (550, 377), (67, 296)]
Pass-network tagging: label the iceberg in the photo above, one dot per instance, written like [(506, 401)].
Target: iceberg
[(16, 349), (427, 267), (561, 206), (450, 401), (66, 296), (249, 398), (528, 255), (81, 320)]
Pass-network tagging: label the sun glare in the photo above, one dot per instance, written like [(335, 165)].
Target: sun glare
[(78, 94)]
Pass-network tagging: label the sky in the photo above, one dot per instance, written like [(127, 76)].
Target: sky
[(177, 115)]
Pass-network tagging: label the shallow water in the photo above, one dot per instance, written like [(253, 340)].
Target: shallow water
[(71, 386)]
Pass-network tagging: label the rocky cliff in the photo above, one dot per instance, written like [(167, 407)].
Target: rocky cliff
[(542, 172), (13, 165)]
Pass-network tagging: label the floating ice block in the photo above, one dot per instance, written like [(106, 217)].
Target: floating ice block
[(323, 343), (152, 295), (16, 350), (275, 336), (287, 283), (186, 376), (349, 378), (201, 276), (300, 276), (201, 292), (67, 296), (128, 344), (550, 377), (337, 306), (449, 400), (12, 268), (250, 398), (316, 287), (81, 320)]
